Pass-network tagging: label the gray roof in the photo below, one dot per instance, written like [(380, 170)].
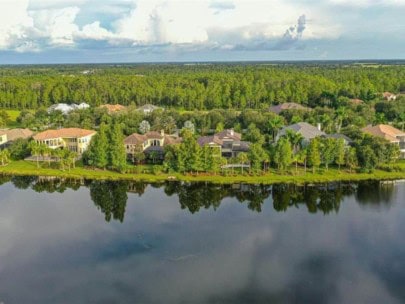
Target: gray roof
[(305, 129), (338, 136)]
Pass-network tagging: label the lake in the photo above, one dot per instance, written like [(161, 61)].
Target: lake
[(78, 241)]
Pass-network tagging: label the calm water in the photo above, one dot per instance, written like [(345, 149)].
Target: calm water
[(105, 242)]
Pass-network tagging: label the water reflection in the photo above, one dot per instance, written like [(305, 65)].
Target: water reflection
[(110, 197), (133, 242)]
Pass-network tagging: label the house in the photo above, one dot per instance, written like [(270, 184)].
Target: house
[(3, 139), (13, 134), (307, 131), (148, 143), (389, 133), (113, 108), (67, 108), (73, 139), (389, 96), (228, 143), (148, 108), (287, 106)]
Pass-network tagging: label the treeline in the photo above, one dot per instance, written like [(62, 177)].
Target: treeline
[(111, 197), (197, 87)]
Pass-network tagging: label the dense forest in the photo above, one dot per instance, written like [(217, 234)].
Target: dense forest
[(197, 86)]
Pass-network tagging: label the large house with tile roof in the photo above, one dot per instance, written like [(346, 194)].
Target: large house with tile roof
[(228, 142), (73, 139), (393, 135), (148, 143)]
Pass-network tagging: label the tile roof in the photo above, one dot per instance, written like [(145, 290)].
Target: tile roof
[(287, 106), (228, 133), (63, 133), (112, 108), (205, 140), (135, 138), (13, 134), (385, 131)]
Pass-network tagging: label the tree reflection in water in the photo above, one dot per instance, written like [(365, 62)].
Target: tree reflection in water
[(111, 197)]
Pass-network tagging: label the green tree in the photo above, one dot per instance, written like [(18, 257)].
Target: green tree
[(340, 152), (313, 154), (283, 153), (351, 158), (242, 158), (257, 156), (328, 151), (117, 153)]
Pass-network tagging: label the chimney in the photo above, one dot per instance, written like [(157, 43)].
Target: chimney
[(231, 132), (319, 126), (162, 132)]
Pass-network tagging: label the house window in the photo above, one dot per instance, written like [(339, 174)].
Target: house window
[(155, 142)]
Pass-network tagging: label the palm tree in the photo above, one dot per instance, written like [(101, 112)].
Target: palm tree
[(154, 155), (274, 124), (35, 150), (295, 139), (340, 115), (242, 158), (4, 157)]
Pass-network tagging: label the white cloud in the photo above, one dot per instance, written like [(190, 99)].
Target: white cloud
[(195, 24)]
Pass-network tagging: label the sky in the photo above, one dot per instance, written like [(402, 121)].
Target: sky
[(100, 31)]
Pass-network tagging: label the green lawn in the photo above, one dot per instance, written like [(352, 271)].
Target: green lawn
[(30, 168), (13, 114)]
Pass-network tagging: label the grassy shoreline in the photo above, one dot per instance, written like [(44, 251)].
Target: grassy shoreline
[(30, 168)]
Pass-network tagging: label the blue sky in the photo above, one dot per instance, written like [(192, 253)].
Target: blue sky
[(77, 31)]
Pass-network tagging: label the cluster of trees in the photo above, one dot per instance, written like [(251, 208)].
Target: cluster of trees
[(198, 87), (63, 157), (190, 157), (107, 148)]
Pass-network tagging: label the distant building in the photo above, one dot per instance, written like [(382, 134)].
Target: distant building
[(149, 142), (307, 131), (393, 135), (67, 108), (228, 142), (288, 106), (13, 134), (389, 96), (148, 108), (73, 139), (113, 108)]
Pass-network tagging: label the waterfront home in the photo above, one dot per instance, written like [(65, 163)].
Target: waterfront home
[(307, 131), (73, 139), (148, 108), (389, 96), (149, 143), (288, 106), (113, 108), (228, 142), (13, 134), (393, 135)]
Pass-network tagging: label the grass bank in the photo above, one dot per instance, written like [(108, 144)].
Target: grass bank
[(30, 168)]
